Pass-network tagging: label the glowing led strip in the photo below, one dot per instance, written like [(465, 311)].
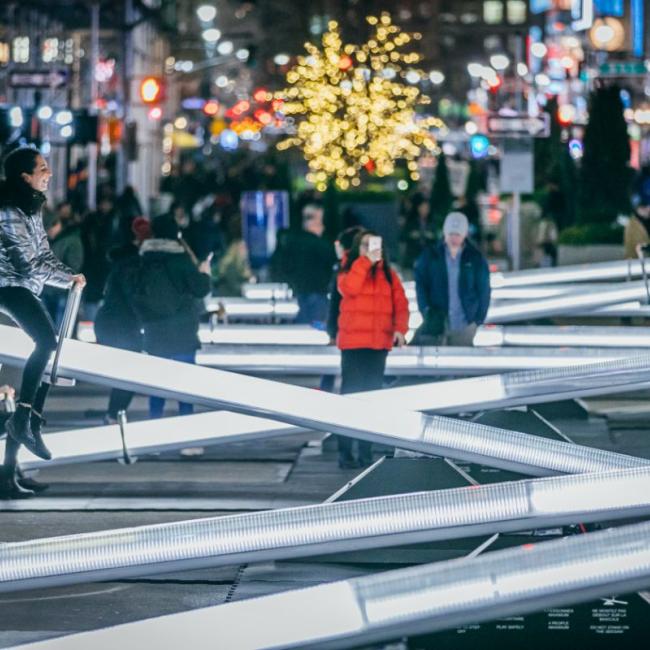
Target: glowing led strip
[(326, 528), (394, 604)]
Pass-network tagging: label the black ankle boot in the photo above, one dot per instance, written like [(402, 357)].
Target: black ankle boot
[(9, 486), (19, 428), (36, 424), (30, 483)]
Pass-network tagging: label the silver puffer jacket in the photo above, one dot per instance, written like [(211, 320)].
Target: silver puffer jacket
[(25, 256)]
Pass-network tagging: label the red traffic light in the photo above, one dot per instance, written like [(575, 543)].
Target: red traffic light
[(152, 90), (495, 83)]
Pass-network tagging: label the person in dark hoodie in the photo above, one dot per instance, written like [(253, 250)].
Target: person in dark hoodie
[(117, 324), (26, 264), (166, 295)]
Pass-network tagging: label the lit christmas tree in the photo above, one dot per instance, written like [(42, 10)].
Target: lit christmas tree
[(352, 108)]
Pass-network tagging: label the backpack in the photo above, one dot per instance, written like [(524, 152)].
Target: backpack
[(154, 293)]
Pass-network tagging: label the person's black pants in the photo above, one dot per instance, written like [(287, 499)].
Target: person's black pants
[(361, 369), (28, 312), (119, 400)]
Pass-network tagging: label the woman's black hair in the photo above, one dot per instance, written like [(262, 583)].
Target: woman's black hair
[(346, 237), (14, 190), (20, 161), (355, 253)]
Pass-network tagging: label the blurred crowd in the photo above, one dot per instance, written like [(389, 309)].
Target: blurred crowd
[(91, 242)]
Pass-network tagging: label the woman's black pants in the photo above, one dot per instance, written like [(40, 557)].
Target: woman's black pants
[(28, 312), (361, 369)]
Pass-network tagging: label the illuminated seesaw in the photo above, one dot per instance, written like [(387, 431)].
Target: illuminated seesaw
[(582, 299), (326, 528), (451, 397), (563, 336), (394, 604), (417, 361), (569, 274), (318, 410)]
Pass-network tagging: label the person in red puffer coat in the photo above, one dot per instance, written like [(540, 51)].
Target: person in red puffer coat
[(373, 317)]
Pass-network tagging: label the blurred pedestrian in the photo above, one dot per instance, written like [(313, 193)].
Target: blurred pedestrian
[(546, 240), (452, 283), (205, 233), (280, 262), (26, 264), (232, 270), (128, 208), (117, 324), (97, 232), (67, 215), (166, 296), (373, 317), (310, 261), (65, 242), (418, 231), (637, 230), (189, 187)]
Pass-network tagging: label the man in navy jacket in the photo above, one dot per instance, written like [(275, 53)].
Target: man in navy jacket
[(452, 282)]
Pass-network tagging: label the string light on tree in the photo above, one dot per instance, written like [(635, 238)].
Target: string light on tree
[(353, 109)]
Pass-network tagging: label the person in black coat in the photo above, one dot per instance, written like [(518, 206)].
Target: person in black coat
[(309, 259), (166, 296), (452, 283), (117, 324)]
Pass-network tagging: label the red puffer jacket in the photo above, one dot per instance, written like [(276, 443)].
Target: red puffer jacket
[(372, 309)]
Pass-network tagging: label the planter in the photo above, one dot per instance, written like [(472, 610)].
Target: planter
[(569, 254)]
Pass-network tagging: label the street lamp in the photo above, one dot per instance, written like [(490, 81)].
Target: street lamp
[(281, 59), (206, 13), (44, 113), (539, 50), (225, 47), (16, 117), (63, 117), (499, 61), (489, 75), (211, 35)]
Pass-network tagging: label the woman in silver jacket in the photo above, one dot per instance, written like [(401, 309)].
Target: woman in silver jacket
[(26, 264)]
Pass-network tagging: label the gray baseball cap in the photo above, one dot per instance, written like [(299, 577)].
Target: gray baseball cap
[(456, 223)]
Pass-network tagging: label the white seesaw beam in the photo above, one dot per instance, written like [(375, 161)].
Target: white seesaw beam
[(460, 395), (394, 604), (326, 528), (321, 411), (408, 361)]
